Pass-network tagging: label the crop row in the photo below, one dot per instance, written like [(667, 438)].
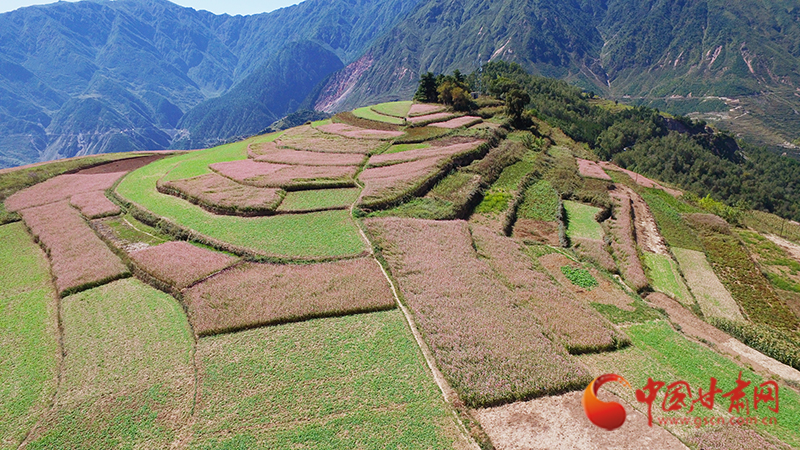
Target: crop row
[(272, 153), (286, 176), (221, 195)]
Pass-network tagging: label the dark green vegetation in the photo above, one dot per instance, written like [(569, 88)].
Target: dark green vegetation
[(579, 277), (28, 334), (540, 202), (349, 382), (781, 345)]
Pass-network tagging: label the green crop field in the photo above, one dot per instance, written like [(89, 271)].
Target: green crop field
[(28, 334), (397, 148), (664, 276), (580, 221), (500, 194), (660, 352), (367, 113), (396, 109), (667, 211), (540, 203), (127, 380), (313, 235), (348, 382), (319, 199)]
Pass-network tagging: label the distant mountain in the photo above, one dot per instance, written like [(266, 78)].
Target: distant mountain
[(681, 55), (99, 76)]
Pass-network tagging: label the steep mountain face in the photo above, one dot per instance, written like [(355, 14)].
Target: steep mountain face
[(669, 54), (99, 76)]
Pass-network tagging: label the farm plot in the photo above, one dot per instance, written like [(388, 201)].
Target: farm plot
[(568, 321), (500, 194), (318, 200), (436, 151), (596, 251), (745, 282), (307, 158), (220, 195), (782, 270), (415, 135), (667, 212), (712, 297), (458, 122), (127, 378), (287, 176), (623, 243), (61, 187), (253, 295), (449, 199), (397, 148), (390, 184), (660, 353), (591, 169), (665, 277), (581, 223), (489, 349), (178, 264), (421, 109), (347, 382), (395, 109), (308, 138), (606, 292), (28, 335), (79, 258), (354, 132), (641, 180), (317, 235), (94, 205), (538, 214), (432, 118), (370, 114)]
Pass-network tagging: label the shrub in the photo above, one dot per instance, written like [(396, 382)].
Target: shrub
[(579, 277)]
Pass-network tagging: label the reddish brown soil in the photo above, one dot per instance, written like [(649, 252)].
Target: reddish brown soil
[(94, 204), (591, 169), (124, 165), (252, 294), (179, 263), (78, 257), (537, 231)]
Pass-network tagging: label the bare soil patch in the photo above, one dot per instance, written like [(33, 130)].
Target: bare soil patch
[(458, 122), (94, 204), (606, 292), (263, 174), (591, 169), (790, 247), (537, 231), (558, 422), (253, 295), (221, 195), (179, 264), (79, 258), (647, 235)]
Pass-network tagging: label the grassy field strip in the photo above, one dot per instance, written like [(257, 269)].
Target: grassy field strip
[(128, 378), (395, 109), (665, 277), (663, 354), (318, 200), (370, 114), (580, 221), (711, 295), (348, 382), (29, 360), (459, 305), (316, 235)]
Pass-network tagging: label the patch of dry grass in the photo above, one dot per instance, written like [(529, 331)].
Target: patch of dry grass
[(79, 258), (489, 348), (253, 295)]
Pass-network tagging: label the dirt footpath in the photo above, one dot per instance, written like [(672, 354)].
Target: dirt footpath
[(558, 422)]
